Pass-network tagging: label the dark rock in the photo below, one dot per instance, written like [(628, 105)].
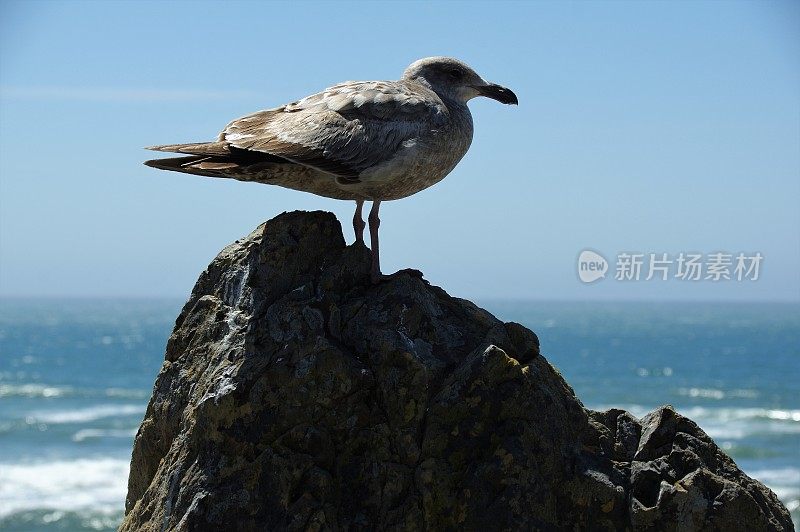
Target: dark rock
[(295, 395)]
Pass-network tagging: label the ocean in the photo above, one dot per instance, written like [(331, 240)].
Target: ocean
[(76, 375)]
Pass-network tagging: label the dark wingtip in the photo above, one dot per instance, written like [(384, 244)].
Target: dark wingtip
[(170, 163), (157, 163)]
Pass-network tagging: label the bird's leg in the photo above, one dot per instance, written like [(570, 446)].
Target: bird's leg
[(374, 223), (358, 222)]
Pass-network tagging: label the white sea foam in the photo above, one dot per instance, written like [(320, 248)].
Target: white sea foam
[(97, 484), (724, 415), (785, 476), (36, 390), (88, 434), (714, 393), (723, 434), (84, 415), (739, 423)]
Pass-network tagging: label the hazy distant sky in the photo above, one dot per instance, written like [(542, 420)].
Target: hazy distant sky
[(642, 127)]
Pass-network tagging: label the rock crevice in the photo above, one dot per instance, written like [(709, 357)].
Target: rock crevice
[(296, 395)]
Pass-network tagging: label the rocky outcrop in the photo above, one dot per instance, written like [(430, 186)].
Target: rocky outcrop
[(295, 395)]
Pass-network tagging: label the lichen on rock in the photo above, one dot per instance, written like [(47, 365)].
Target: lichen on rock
[(296, 395)]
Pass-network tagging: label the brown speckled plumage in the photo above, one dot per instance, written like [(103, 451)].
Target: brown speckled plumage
[(358, 140)]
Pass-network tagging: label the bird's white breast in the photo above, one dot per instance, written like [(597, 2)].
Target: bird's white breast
[(420, 162)]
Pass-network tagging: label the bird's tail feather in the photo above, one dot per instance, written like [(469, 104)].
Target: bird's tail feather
[(214, 159), (220, 148), (194, 164)]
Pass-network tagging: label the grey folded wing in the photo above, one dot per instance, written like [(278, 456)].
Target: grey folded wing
[(343, 130)]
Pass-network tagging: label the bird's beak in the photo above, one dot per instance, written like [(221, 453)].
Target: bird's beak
[(496, 92)]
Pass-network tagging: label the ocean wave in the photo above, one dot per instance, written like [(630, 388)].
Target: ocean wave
[(746, 450), (714, 393), (61, 520), (785, 476), (34, 390), (743, 414), (84, 415), (98, 484), (87, 434)]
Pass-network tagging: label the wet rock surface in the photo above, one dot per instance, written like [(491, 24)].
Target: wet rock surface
[(295, 395)]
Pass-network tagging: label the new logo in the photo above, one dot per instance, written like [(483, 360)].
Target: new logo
[(591, 266)]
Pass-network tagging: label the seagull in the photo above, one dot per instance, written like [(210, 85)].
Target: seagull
[(358, 140)]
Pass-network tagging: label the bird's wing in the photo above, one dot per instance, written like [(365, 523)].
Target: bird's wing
[(343, 130)]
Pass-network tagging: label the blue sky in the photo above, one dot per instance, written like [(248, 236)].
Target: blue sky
[(642, 127)]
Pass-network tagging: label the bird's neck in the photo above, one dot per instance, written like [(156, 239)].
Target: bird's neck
[(453, 103), (459, 112)]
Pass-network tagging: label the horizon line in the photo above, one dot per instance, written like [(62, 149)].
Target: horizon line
[(514, 299)]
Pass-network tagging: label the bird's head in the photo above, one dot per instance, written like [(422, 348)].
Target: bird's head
[(455, 80)]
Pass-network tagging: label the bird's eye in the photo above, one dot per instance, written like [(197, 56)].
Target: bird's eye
[(455, 73)]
